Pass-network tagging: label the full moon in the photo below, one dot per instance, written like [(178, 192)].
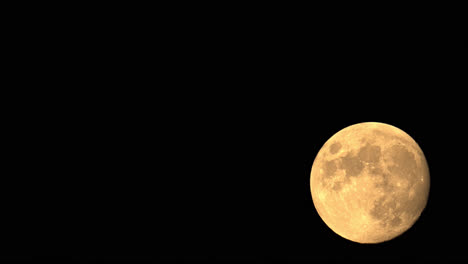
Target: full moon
[(370, 182)]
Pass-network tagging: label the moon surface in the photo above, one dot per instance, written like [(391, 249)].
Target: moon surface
[(370, 182)]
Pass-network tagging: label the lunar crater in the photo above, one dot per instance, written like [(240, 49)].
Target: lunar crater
[(370, 153), (335, 147), (352, 165), (395, 222), (400, 161), (387, 212), (385, 183), (330, 168)]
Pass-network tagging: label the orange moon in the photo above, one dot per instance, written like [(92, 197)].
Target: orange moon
[(370, 182)]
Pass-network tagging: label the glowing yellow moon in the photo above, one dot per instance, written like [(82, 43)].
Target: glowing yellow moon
[(370, 182)]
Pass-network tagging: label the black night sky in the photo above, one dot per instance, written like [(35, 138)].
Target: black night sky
[(230, 158), (194, 140)]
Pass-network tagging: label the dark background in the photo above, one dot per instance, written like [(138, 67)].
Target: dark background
[(192, 137)]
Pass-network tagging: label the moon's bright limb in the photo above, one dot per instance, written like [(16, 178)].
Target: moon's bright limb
[(370, 182)]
